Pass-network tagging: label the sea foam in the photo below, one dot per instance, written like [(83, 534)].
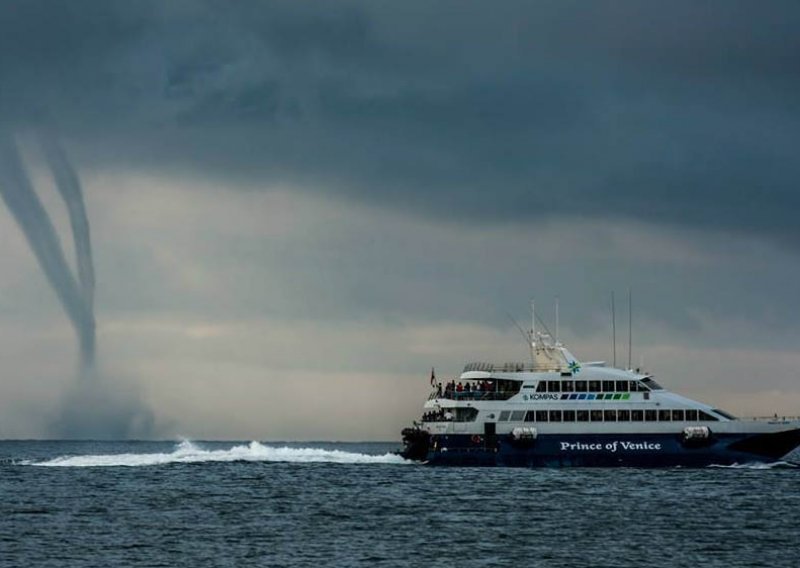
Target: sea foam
[(759, 465), (188, 452)]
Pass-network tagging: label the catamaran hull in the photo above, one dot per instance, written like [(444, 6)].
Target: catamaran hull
[(602, 450)]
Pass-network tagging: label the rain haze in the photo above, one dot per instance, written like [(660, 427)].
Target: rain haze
[(269, 220)]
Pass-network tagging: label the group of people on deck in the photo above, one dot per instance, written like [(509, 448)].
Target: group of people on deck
[(440, 415), (466, 389)]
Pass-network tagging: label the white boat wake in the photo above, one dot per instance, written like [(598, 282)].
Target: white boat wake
[(759, 465), (187, 452)]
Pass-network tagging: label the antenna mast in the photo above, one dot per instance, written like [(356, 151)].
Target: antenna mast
[(630, 328), (613, 332), (533, 325), (526, 335), (557, 320)]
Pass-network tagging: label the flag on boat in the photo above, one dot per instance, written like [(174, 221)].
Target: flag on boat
[(433, 377)]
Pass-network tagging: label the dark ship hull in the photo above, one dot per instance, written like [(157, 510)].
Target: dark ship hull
[(597, 450)]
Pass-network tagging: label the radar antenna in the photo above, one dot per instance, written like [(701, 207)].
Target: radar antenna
[(530, 336)]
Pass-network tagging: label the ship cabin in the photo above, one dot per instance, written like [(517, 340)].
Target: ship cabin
[(572, 392)]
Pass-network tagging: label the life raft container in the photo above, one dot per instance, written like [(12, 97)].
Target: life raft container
[(696, 436), (524, 433), (525, 436)]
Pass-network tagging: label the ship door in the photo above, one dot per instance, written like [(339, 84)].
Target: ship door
[(489, 434)]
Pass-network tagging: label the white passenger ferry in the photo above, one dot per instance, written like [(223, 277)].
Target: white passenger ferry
[(557, 411)]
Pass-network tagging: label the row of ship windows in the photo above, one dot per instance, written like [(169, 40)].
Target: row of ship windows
[(591, 386), (649, 415)]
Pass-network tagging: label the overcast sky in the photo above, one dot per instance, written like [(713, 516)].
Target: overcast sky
[(297, 209)]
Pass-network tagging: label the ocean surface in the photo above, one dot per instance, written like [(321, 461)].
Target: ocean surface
[(341, 504)]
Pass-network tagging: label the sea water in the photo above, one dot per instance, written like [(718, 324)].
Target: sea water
[(270, 504)]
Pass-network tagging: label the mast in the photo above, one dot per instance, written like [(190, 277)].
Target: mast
[(630, 328), (613, 333), (533, 330), (557, 343)]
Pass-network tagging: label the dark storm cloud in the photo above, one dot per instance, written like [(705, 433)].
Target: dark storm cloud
[(680, 113)]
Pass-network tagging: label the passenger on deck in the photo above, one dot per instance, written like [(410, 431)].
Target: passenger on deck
[(459, 387)]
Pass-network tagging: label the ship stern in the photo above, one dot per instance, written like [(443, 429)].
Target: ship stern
[(416, 443)]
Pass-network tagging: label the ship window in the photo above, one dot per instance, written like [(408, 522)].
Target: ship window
[(555, 416), (608, 386), (623, 415), (651, 384), (677, 415), (594, 386), (597, 415), (569, 416), (553, 386), (650, 415), (691, 415), (530, 416), (504, 416), (582, 415), (634, 386), (541, 416), (637, 415), (610, 415), (466, 414), (517, 415), (566, 386), (622, 386), (664, 415), (707, 417), (541, 387), (724, 414), (508, 388), (580, 386)]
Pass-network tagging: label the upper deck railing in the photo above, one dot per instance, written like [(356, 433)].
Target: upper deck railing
[(472, 395), (514, 367)]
